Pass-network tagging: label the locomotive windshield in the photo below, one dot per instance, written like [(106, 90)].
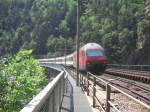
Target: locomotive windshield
[(94, 53)]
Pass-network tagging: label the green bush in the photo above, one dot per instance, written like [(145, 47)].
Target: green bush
[(20, 79)]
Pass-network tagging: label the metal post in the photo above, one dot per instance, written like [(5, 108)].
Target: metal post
[(65, 50), (64, 84), (79, 79), (56, 97), (141, 68), (87, 84), (82, 80), (108, 89), (55, 54), (94, 91), (53, 105), (60, 93), (73, 74), (50, 108), (77, 44)]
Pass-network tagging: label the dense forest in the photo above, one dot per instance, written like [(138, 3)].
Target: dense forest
[(122, 27), (31, 28)]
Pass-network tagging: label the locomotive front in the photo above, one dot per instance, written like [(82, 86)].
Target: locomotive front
[(96, 60)]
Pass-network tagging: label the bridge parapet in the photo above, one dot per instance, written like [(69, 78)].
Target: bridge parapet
[(50, 98)]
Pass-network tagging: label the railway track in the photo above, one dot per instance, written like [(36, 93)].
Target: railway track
[(141, 76), (138, 90)]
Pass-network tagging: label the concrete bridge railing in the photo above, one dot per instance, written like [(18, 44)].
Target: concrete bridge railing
[(50, 98)]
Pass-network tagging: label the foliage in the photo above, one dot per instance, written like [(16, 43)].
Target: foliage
[(56, 46), (20, 78), (27, 24), (49, 26), (121, 26)]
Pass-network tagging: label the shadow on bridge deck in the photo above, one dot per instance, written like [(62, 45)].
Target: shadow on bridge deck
[(74, 99)]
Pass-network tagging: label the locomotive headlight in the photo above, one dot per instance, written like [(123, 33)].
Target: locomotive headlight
[(105, 62), (88, 63)]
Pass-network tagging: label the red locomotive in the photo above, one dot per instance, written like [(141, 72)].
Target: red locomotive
[(91, 58)]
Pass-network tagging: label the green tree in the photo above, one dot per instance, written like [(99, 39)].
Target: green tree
[(20, 79)]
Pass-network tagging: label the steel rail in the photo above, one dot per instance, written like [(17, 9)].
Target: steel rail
[(130, 75), (109, 83), (135, 94), (145, 105), (126, 94), (140, 67), (134, 72)]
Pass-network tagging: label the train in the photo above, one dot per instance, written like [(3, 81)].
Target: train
[(91, 58)]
